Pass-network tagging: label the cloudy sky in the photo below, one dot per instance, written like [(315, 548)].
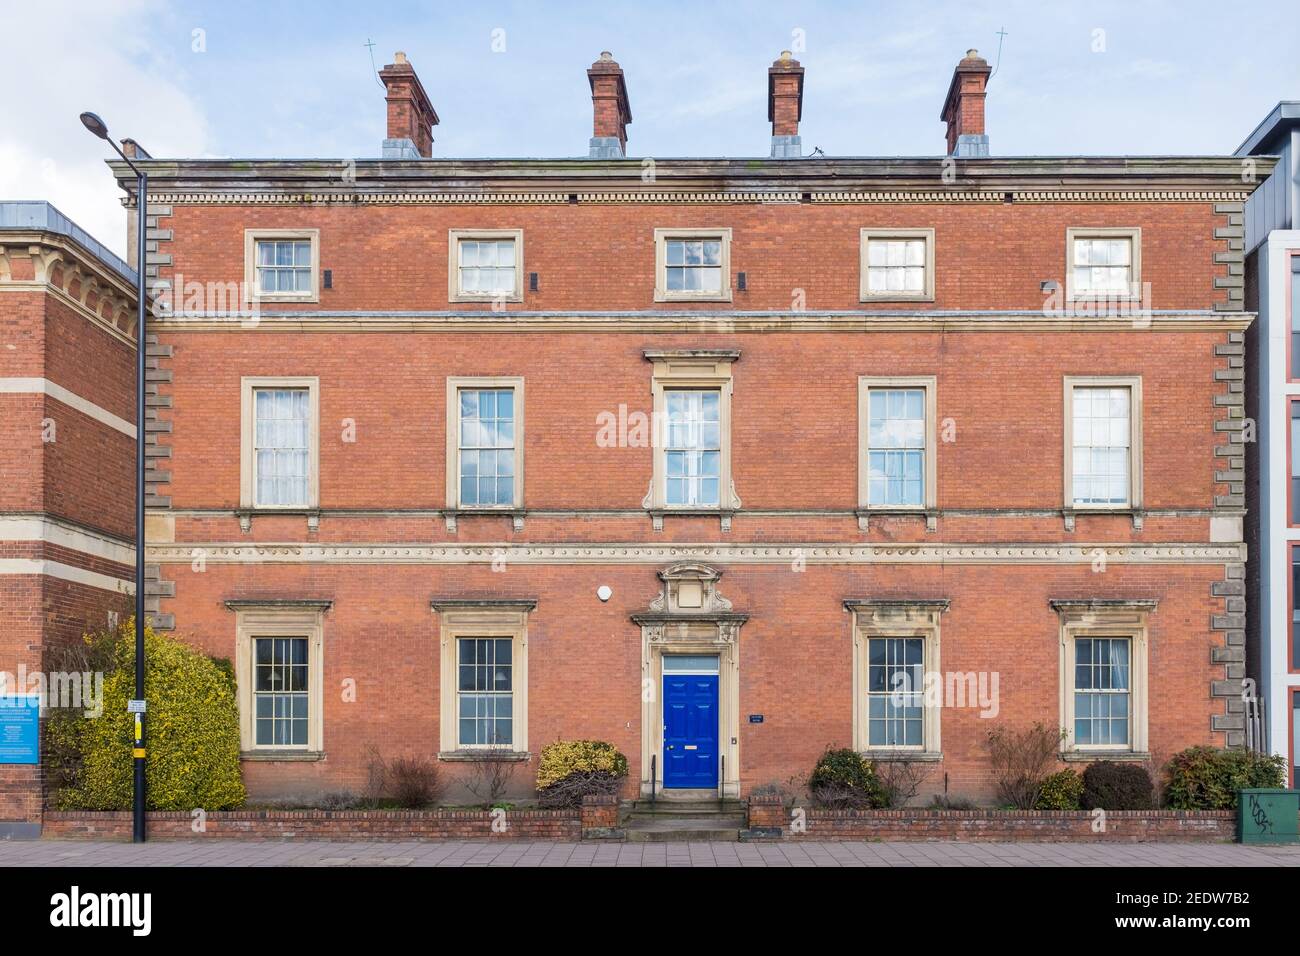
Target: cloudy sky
[(294, 79)]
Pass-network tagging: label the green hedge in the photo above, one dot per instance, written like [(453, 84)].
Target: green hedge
[(192, 732), (1206, 778), (1108, 785), (843, 780)]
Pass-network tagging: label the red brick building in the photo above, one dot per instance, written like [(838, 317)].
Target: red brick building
[(721, 460), (67, 400)]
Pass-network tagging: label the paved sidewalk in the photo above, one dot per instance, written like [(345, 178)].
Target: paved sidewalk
[(226, 852)]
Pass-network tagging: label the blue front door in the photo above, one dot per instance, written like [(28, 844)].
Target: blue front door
[(690, 731)]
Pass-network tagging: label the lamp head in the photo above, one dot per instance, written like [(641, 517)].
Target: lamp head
[(95, 125)]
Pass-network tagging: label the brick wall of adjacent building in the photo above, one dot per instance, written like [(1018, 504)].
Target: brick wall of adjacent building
[(63, 470)]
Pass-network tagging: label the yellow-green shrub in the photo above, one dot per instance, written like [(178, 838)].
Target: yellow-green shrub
[(565, 757), (192, 733), (1060, 791)]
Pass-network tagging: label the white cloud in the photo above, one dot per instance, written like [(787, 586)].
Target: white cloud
[(103, 57)]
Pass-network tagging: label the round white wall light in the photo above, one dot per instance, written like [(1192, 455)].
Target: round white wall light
[(604, 592)]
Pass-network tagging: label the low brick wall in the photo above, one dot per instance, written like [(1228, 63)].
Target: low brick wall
[(321, 825), (770, 818)]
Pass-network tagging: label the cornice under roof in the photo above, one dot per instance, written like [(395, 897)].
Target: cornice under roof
[(868, 174)]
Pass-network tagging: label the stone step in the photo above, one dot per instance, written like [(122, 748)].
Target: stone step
[(680, 830), (716, 821), (688, 807)]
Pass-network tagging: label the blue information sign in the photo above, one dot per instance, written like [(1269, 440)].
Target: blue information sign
[(20, 739)]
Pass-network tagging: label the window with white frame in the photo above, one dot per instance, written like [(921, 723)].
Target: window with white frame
[(896, 449), (485, 434), (691, 390), (897, 264), (895, 687), (486, 265), (279, 454), (483, 678), (1101, 447), (1103, 674), (692, 265), (1102, 701), (485, 692), (895, 646), (487, 447), (282, 264), (1104, 263), (280, 691), (279, 656), (896, 437), (693, 452)]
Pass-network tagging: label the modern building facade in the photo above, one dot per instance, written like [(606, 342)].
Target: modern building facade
[(67, 395), (724, 461), (1272, 269)]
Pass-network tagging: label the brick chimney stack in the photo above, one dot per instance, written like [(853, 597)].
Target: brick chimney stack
[(610, 109), (134, 150), (411, 117), (785, 106), (963, 109)]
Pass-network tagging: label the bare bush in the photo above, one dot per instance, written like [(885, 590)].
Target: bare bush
[(490, 778), (841, 796), (1020, 760), (946, 802), (340, 800), (376, 777), (414, 782), (900, 780), (569, 791)]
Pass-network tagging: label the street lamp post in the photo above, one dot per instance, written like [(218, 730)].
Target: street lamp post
[(100, 129)]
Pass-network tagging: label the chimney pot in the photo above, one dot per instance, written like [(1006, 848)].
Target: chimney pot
[(611, 112), (963, 107), (785, 106), (411, 117)]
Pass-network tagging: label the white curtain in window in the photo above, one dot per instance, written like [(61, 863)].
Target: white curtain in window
[(281, 443)]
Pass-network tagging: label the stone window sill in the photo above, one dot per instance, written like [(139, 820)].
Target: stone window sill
[(483, 756), (246, 516), (1119, 756), (903, 756), (724, 515), (282, 755), (516, 516), (1071, 514), (930, 515)]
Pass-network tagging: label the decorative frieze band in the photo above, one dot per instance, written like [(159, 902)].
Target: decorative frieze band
[(353, 197), (292, 553), (665, 321)]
